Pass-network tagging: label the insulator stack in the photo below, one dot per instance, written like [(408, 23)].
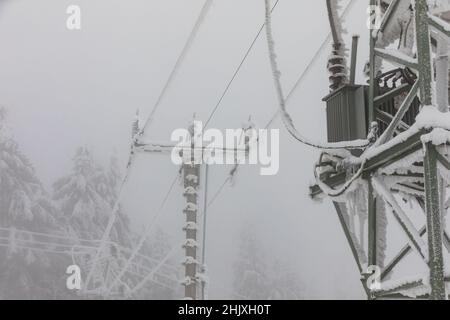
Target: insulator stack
[(337, 66)]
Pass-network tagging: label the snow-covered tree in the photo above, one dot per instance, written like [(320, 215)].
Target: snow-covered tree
[(86, 197), (24, 206)]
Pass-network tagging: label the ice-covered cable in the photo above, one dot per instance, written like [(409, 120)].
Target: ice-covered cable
[(333, 193), (180, 60), (294, 88), (144, 236), (228, 86), (110, 225), (287, 120)]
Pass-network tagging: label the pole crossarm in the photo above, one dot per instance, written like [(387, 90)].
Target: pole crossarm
[(168, 147)]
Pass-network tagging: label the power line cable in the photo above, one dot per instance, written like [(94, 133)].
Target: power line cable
[(203, 13), (297, 84), (228, 86), (145, 234)]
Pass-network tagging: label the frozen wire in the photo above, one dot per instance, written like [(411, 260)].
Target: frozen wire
[(145, 234), (111, 221), (179, 62), (228, 86), (294, 88)]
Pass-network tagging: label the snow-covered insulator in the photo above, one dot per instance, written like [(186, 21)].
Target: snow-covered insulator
[(192, 178), (190, 226), (337, 66), (189, 191), (190, 208), (189, 261), (190, 243)]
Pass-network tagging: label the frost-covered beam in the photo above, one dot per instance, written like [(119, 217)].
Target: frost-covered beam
[(350, 240), (394, 152), (439, 25), (443, 161), (400, 287), (387, 119), (348, 235), (392, 94), (423, 44), (446, 237), (397, 58), (390, 13), (395, 261), (411, 189), (434, 223), (405, 223)]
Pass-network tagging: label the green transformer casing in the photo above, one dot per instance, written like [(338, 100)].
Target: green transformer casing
[(347, 113)]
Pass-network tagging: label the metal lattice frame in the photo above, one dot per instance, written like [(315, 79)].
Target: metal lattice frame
[(419, 180)]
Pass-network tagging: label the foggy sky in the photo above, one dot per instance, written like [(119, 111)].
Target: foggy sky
[(70, 88)]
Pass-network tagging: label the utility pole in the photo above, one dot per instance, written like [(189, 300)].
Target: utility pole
[(191, 178), (192, 159)]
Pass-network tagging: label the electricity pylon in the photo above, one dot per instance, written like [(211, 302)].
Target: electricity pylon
[(408, 158)]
